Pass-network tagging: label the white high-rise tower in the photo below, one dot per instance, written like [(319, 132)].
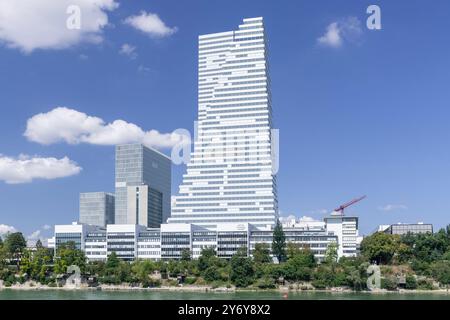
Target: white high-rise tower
[(231, 175)]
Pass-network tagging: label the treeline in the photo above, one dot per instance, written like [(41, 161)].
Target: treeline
[(410, 262), (424, 259)]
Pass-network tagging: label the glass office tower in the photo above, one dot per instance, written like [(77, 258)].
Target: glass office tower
[(97, 208), (137, 165), (230, 177)]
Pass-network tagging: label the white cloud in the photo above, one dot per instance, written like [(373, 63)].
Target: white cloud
[(392, 207), (71, 126), (332, 36), (35, 235), (348, 29), (128, 50), (5, 229), (306, 219), (29, 25), (319, 211), (144, 69), (288, 218), (150, 24), (25, 169), (46, 227)]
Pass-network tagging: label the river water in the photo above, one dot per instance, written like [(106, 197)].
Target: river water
[(8, 294)]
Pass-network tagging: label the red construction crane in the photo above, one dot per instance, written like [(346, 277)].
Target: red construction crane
[(348, 204)]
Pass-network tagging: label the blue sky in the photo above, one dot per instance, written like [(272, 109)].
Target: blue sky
[(367, 114)]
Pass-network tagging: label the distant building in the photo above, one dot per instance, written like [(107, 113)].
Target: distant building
[(144, 206), (51, 243), (305, 224), (405, 228), (346, 229), (97, 208), (143, 186)]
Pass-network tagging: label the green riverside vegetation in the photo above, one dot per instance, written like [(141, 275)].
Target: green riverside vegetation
[(408, 262)]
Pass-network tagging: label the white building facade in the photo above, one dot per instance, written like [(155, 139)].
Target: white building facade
[(347, 231), (231, 175), (131, 242)]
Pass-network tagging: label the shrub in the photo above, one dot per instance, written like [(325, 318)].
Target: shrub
[(172, 283), (265, 283), (211, 274), (11, 279), (190, 280), (218, 284), (425, 284), (420, 267), (319, 284), (411, 282), (441, 272), (151, 283), (200, 281), (388, 284)]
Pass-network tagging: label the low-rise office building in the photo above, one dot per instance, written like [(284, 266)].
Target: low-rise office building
[(316, 241), (130, 241), (405, 228), (75, 233), (346, 229)]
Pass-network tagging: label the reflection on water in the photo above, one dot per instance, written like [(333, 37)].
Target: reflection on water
[(8, 294)]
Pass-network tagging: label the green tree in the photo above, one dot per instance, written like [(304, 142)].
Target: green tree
[(261, 254), (325, 277), (242, 271), (380, 247), (211, 274), (14, 244), (446, 256), (112, 262), (174, 267), (355, 279), (95, 268), (331, 254), (186, 255), (66, 255), (3, 257), (39, 244), (430, 247), (440, 271), (143, 269), (279, 242), (36, 265), (206, 259), (300, 264), (116, 271)]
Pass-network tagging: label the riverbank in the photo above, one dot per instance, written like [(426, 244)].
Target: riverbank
[(33, 286)]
